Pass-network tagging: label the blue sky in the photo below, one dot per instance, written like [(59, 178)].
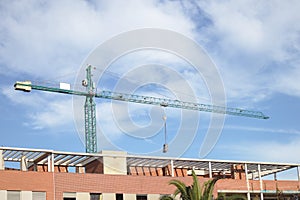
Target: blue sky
[(255, 46)]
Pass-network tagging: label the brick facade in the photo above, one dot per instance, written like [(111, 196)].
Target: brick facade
[(55, 184)]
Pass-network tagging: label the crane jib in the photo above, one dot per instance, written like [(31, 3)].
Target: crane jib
[(25, 86), (179, 104)]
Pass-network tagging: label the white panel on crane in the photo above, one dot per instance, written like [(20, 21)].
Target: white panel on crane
[(65, 86)]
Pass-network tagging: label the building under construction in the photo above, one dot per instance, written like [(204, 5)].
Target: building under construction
[(35, 174)]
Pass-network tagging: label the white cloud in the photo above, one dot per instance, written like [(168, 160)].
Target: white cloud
[(236, 27), (57, 114), (33, 100), (47, 39), (288, 81), (256, 46), (260, 27), (140, 69), (43, 110)]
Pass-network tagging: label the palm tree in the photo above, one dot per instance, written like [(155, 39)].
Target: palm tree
[(193, 192)]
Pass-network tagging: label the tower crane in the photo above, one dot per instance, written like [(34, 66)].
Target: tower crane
[(90, 106)]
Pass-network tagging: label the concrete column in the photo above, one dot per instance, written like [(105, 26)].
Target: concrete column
[(3, 194), (2, 166), (260, 182), (82, 196), (247, 181), (298, 172), (129, 196), (52, 162), (26, 195), (109, 196), (209, 169), (153, 196), (49, 163), (23, 164), (172, 168)]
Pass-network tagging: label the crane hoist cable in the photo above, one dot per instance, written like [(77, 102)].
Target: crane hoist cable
[(165, 146)]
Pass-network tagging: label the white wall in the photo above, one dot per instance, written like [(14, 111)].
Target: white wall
[(26, 195), (114, 165), (3, 194), (82, 196), (129, 196), (153, 196), (109, 196)]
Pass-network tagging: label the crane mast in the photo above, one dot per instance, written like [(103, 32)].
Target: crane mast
[(90, 106), (90, 113)]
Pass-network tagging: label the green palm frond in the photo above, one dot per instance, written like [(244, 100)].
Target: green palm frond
[(209, 188), (195, 191), (166, 197), (181, 188)]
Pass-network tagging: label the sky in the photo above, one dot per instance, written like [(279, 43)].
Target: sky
[(254, 47)]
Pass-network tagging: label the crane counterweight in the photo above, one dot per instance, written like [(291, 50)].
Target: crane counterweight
[(23, 86)]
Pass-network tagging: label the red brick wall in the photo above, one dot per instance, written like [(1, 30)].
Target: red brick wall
[(74, 182), (100, 183), (28, 181), (115, 183)]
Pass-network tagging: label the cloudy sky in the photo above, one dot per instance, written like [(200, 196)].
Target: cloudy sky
[(254, 45)]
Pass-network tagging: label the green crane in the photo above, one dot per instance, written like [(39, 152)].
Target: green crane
[(90, 106)]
